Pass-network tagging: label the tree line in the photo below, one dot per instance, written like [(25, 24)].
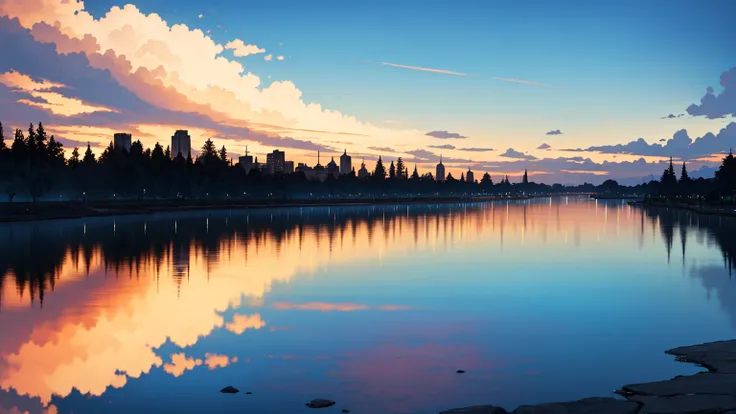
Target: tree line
[(34, 166)]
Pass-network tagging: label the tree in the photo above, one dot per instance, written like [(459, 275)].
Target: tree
[(2, 138), (486, 180), (55, 150), (462, 177), (401, 171), (392, 171), (726, 174), (74, 159), (223, 154), (450, 179), (525, 178), (31, 140), (19, 145), (609, 186), (380, 172), (415, 174), (167, 153), (40, 138), (669, 179), (89, 156)]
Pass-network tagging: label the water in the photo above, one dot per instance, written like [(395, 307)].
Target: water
[(374, 307)]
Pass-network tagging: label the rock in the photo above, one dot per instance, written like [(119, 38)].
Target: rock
[(702, 383), (248, 393), (716, 356), (229, 390), (345, 411), (477, 409), (320, 403), (685, 404), (584, 406), (460, 371)]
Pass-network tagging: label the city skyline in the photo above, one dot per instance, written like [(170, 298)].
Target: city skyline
[(578, 96)]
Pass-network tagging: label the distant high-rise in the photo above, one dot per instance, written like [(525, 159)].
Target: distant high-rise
[(363, 172), (181, 144), (275, 161), (469, 176), (440, 172), (289, 167), (246, 161), (332, 168), (346, 163), (122, 141)]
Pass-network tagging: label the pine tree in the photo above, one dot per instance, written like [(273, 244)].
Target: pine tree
[(223, 154), (74, 159), (380, 172), (40, 138), (31, 140), (415, 174), (486, 180), (450, 178), (89, 156), (669, 179), (392, 171), (2, 138), (167, 153), (55, 150), (19, 147), (726, 174), (462, 177), (401, 171), (684, 176)]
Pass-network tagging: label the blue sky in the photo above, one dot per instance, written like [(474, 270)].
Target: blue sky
[(613, 69)]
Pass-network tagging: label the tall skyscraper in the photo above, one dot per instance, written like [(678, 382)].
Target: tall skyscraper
[(275, 161), (181, 144), (440, 172), (246, 161), (122, 141), (332, 168), (346, 163)]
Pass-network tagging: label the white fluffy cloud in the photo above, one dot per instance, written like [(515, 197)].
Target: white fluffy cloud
[(240, 49)]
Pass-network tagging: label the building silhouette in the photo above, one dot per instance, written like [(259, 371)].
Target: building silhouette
[(346, 163), (332, 168), (122, 141), (440, 172), (289, 167), (319, 170), (246, 161), (275, 162), (363, 172), (181, 144), (469, 176)]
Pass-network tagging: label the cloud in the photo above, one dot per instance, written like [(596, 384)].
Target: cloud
[(241, 323), (429, 156), (214, 361), (718, 106), (512, 80), (474, 149), (679, 146), (672, 116), (180, 363), (512, 153), (279, 58), (382, 149), (240, 49), (445, 146), (419, 68), (200, 16), (554, 132), (268, 57), (444, 135), (544, 146), (321, 306)]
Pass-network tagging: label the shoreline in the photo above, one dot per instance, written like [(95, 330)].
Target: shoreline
[(718, 211), (55, 210), (712, 391)]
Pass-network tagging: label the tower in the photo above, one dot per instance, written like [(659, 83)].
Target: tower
[(440, 171)]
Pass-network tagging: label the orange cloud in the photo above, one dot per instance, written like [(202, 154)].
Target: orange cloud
[(241, 323), (180, 363), (321, 306), (214, 361)]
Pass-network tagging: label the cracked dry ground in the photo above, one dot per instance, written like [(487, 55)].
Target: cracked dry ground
[(706, 392)]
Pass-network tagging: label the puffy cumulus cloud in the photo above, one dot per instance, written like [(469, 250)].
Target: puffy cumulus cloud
[(544, 146), (200, 16), (214, 361), (180, 363), (444, 135), (445, 146), (554, 132), (279, 58), (512, 153), (720, 105), (241, 323), (240, 49), (476, 149), (679, 146), (268, 57), (181, 69)]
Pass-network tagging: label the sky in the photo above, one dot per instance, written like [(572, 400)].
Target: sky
[(573, 91)]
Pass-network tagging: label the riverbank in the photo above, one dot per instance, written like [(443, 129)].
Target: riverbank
[(12, 212), (721, 211), (709, 392)]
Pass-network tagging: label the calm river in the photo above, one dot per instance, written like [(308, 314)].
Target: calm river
[(373, 307)]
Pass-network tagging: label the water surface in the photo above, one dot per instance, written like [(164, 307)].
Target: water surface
[(375, 307)]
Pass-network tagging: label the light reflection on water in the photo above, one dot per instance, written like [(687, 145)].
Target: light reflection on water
[(375, 307)]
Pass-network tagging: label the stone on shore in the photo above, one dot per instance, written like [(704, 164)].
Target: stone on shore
[(477, 409), (716, 356), (702, 383), (685, 404), (229, 390), (320, 403), (584, 406)]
